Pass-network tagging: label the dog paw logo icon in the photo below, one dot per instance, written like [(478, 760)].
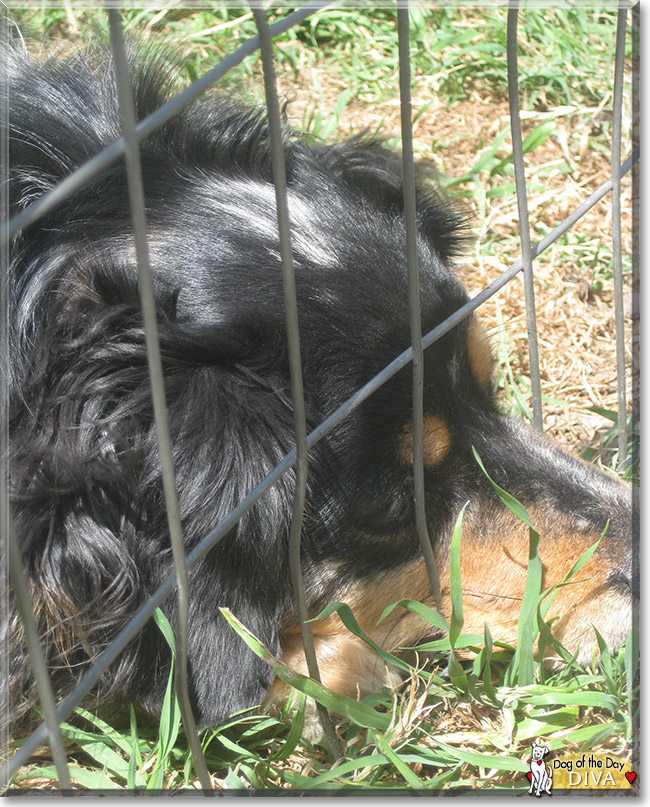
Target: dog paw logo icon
[(541, 775)]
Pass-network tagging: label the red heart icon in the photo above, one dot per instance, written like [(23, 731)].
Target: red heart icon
[(630, 776), (530, 776)]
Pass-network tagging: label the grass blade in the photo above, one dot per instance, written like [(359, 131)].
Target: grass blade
[(522, 666), (170, 715), (457, 621), (293, 738), (551, 592), (135, 757), (348, 619), (423, 611), (401, 767), (456, 672), (360, 713), (93, 780), (483, 760)]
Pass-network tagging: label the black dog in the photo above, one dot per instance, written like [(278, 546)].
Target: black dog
[(84, 473)]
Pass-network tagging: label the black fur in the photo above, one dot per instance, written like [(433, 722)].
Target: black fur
[(85, 481)]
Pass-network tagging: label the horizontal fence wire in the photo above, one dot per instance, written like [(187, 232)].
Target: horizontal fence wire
[(148, 306), (149, 124), (144, 612), (112, 153)]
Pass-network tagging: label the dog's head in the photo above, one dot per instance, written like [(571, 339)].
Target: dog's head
[(538, 751), (85, 472)]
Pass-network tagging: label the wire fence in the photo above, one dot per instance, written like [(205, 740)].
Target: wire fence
[(49, 730)]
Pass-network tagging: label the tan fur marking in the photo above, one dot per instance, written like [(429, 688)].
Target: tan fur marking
[(481, 359), (64, 629), (437, 441), (346, 664), (493, 574), (493, 561)]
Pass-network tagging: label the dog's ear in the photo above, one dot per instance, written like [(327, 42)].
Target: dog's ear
[(73, 447), (89, 505), (373, 171), (228, 431), (225, 676)]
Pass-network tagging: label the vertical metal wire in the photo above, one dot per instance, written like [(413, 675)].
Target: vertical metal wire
[(295, 364), (524, 229), (12, 566), (617, 245), (39, 666), (414, 296), (148, 303), (635, 23), (66, 187)]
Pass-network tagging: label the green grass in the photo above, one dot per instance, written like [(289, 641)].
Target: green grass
[(563, 54), (391, 740), (394, 740)]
